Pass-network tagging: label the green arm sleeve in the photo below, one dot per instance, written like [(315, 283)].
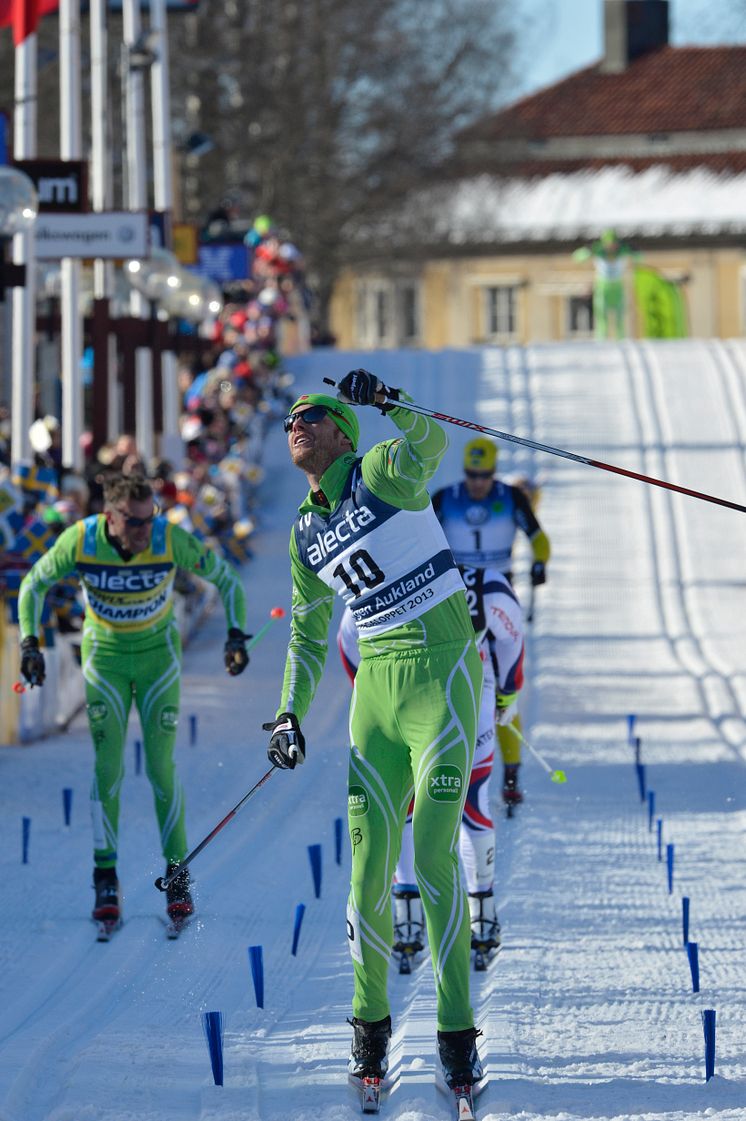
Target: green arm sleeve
[(398, 471), (309, 627), (58, 562), (196, 557)]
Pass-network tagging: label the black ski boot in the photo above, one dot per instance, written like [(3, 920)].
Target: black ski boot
[(459, 1058), (369, 1057), (107, 908), (512, 793), (409, 926), (485, 927), (179, 904)]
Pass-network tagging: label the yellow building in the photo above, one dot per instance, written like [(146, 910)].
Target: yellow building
[(649, 141)]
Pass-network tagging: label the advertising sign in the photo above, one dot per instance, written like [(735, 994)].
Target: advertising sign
[(110, 234), (62, 185)]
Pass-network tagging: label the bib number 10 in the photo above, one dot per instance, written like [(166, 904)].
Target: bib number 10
[(364, 568)]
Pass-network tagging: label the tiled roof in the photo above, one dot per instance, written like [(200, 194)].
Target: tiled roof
[(672, 89)]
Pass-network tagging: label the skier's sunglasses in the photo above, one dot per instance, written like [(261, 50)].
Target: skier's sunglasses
[(309, 416), (137, 523), (479, 474)]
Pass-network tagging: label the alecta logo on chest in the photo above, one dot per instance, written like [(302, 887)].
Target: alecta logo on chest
[(127, 580), (348, 524)]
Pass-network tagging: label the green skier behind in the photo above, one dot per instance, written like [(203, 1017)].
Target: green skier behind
[(126, 560), (610, 258), (367, 532)]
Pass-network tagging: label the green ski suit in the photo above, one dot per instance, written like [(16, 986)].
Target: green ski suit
[(413, 714), (131, 649)]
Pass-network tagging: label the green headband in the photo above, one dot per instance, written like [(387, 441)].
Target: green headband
[(341, 414)]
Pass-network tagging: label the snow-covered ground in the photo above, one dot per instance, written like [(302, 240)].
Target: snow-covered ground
[(589, 1011)]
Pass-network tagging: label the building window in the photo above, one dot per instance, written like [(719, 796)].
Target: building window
[(409, 318), (387, 313), (580, 316), (501, 304)]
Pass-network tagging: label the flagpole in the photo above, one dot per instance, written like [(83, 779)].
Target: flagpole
[(72, 329), (171, 443), (138, 200), (23, 331), (105, 386)]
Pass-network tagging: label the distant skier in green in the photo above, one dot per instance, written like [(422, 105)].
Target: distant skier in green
[(610, 257), (126, 559)]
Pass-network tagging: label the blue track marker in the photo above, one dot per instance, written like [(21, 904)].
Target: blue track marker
[(669, 866), (314, 855), (685, 918), (138, 757), (192, 729), (692, 949), (67, 803), (638, 750), (708, 1023), (630, 727), (651, 809), (338, 834), (300, 910), (212, 1026), (25, 838), (659, 831), (640, 768), (256, 961)]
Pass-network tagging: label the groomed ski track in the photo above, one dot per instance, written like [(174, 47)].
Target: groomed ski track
[(588, 1012)]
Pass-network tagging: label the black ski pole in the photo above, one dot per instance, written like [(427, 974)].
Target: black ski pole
[(525, 442), (163, 882), (531, 599)]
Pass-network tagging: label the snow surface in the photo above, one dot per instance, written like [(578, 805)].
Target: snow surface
[(588, 1013)]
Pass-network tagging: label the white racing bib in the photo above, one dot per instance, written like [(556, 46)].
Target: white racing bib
[(389, 565)]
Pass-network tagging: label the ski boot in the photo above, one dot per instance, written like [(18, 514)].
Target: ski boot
[(409, 927), (369, 1057), (179, 904), (485, 927), (512, 794), (459, 1059), (107, 911)]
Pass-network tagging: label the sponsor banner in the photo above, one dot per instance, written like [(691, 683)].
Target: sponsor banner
[(110, 234), (62, 185), (222, 262), (661, 306), (185, 246)]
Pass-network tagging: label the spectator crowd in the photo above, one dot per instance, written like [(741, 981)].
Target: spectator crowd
[(232, 386)]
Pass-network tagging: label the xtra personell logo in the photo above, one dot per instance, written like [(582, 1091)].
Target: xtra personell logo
[(445, 783), (357, 802), (97, 711), (169, 718)]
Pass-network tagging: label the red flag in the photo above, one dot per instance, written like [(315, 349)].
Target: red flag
[(24, 16)]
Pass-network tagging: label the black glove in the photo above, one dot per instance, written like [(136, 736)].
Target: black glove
[(287, 746), (359, 387), (538, 573), (32, 661), (235, 653)]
